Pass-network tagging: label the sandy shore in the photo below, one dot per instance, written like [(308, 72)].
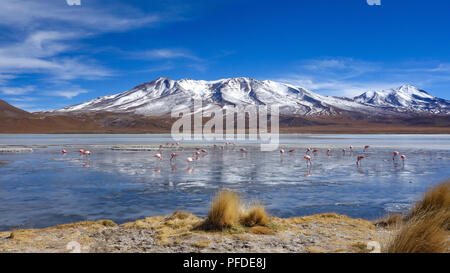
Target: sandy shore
[(178, 233)]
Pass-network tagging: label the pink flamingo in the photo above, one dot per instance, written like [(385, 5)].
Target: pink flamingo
[(359, 159), (292, 150), (395, 155), (178, 143), (315, 151), (403, 159), (343, 151), (281, 151), (328, 152), (189, 159), (308, 160), (366, 147), (243, 150), (197, 148), (86, 153), (64, 151), (308, 150), (173, 155), (204, 151), (351, 148), (81, 151), (159, 156)]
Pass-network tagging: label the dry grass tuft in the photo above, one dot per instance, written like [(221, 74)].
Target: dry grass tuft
[(180, 215), (94, 224), (224, 211), (422, 234), (108, 223), (254, 216), (360, 247), (427, 225), (202, 244), (260, 230), (393, 220), (435, 200), (227, 213)]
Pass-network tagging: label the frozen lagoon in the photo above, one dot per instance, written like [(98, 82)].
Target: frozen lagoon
[(43, 187)]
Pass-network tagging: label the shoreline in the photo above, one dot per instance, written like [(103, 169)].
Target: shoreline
[(233, 227), (319, 233), (343, 131), (20, 148)]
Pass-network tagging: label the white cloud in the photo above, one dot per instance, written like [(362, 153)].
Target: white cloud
[(29, 107), (39, 53), (32, 14), (338, 88), (5, 77), (43, 36), (349, 77), (16, 90), (22, 99), (42, 41), (68, 94), (166, 53)]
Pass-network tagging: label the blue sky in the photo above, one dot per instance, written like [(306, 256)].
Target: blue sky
[(53, 55)]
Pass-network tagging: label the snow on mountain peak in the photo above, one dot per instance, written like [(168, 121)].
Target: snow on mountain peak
[(406, 98), (160, 96)]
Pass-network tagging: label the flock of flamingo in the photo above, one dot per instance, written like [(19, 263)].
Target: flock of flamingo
[(200, 151)]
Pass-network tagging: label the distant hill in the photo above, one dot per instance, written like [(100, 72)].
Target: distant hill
[(146, 109), (7, 110), (160, 96)]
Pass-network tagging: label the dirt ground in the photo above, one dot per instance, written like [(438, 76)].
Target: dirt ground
[(179, 233)]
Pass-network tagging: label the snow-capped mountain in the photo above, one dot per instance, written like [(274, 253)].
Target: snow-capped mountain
[(161, 96), (406, 98)]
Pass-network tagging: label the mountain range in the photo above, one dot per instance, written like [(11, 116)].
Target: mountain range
[(147, 107), (160, 96)]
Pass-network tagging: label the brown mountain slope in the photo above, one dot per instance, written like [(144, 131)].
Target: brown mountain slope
[(85, 124), (14, 120), (7, 110)]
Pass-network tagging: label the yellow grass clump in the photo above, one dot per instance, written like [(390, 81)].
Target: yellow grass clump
[(227, 211), (94, 224), (421, 235), (435, 200), (393, 220), (260, 230), (254, 216), (224, 211), (426, 227)]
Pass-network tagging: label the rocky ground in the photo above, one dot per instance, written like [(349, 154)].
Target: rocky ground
[(180, 233)]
